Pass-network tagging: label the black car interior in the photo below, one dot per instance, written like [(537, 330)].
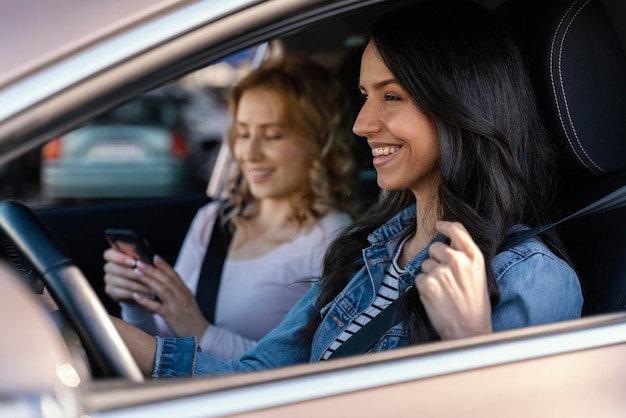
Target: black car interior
[(578, 66), (163, 221)]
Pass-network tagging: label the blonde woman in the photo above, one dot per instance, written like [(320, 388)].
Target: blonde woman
[(286, 201)]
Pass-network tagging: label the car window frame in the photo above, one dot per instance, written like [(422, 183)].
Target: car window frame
[(241, 393)]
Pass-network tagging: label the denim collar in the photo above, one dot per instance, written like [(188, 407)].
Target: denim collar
[(393, 231), (400, 223)]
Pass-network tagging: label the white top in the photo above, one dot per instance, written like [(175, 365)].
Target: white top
[(254, 294)]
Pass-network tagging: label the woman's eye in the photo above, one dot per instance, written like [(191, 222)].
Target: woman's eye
[(391, 98), (243, 135), (271, 136), (363, 97)]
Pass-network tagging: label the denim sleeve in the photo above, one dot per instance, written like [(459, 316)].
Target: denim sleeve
[(177, 357), (174, 357), (536, 287)]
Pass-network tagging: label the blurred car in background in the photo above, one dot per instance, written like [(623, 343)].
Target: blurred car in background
[(138, 149)]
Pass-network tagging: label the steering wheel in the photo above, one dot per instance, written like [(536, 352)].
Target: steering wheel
[(39, 248)]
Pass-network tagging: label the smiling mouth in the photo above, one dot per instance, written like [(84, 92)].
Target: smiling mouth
[(259, 174), (377, 152)]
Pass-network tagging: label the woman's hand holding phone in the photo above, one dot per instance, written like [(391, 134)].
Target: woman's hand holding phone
[(129, 242), (127, 249), (134, 274)]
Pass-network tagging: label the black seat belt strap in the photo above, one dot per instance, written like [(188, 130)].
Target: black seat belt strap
[(611, 201), (211, 272), (366, 337)]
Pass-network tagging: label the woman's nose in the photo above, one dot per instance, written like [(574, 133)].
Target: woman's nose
[(367, 121), (254, 148)]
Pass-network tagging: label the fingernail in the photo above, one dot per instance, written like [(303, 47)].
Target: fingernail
[(130, 262)]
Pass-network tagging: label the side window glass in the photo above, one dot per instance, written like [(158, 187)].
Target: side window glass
[(162, 143)]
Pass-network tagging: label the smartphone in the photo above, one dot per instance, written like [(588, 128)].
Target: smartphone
[(131, 243)]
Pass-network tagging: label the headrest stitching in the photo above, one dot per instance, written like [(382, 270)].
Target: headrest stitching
[(555, 90)]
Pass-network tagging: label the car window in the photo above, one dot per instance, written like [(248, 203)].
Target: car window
[(161, 143), (174, 133)]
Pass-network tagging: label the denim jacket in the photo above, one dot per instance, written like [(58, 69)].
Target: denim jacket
[(536, 287)]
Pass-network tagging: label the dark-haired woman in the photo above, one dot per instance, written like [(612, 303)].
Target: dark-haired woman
[(463, 160)]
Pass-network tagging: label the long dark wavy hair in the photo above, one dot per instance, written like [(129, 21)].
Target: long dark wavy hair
[(463, 70)]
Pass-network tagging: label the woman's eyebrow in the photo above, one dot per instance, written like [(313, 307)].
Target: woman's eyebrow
[(380, 84), (262, 125)]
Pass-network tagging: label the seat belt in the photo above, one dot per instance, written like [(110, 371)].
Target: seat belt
[(611, 201), (364, 339), (211, 272)]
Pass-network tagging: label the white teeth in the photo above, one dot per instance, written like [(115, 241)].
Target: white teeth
[(384, 151), (260, 172)]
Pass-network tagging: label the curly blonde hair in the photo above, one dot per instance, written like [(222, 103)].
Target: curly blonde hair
[(315, 105)]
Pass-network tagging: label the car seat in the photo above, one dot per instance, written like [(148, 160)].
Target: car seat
[(578, 67)]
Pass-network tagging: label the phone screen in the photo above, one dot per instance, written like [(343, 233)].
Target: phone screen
[(130, 243)]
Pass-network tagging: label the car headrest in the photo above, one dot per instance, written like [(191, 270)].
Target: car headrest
[(578, 67)]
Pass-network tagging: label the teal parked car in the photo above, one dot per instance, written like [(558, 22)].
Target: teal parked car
[(138, 149)]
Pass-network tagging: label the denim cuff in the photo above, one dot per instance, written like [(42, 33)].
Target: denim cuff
[(175, 357)]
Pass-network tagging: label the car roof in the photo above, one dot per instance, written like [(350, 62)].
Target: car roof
[(44, 34)]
